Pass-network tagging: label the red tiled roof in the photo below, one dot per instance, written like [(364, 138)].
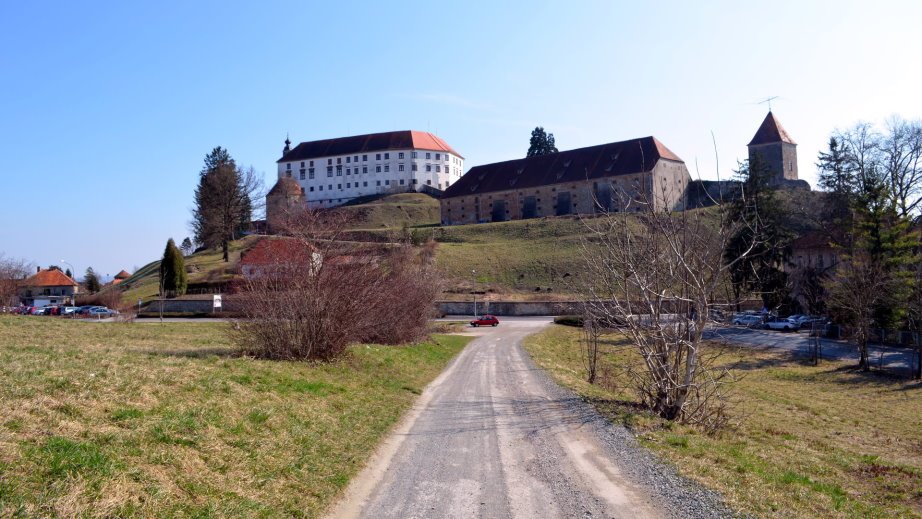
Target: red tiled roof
[(49, 278), (272, 251), (399, 140), (771, 131), (122, 275), (602, 161)]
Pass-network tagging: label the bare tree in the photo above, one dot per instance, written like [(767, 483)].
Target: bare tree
[(659, 274), (319, 293), (901, 147), (12, 272)]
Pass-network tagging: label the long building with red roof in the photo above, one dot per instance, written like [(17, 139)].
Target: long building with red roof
[(331, 172)]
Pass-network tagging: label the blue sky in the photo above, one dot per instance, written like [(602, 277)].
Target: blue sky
[(107, 110)]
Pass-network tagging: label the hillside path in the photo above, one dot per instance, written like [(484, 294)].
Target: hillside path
[(493, 437)]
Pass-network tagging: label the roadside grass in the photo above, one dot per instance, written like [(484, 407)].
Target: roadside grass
[(810, 441), (151, 420)]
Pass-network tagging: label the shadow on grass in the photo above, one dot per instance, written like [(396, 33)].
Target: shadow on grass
[(223, 352)]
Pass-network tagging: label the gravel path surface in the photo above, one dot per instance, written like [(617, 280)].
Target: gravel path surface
[(495, 437)]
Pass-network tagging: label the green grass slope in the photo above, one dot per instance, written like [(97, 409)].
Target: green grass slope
[(393, 211)]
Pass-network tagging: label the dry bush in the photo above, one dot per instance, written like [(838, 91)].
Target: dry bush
[(12, 272), (322, 293), (659, 273)]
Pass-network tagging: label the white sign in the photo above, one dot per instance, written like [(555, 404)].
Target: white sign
[(217, 302)]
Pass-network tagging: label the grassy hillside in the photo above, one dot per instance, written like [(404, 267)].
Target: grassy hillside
[(205, 266), (527, 258), (393, 211), (147, 420)]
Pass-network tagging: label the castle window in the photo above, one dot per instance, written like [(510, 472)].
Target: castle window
[(329, 162), (364, 184), (438, 168), (302, 173), (321, 188), (387, 156), (339, 171), (339, 160), (387, 182), (348, 159), (302, 163), (401, 181), (364, 169), (339, 186), (379, 182), (400, 167), (364, 158), (400, 155), (329, 171), (414, 167), (387, 168), (413, 155), (428, 155), (377, 156), (377, 169), (288, 166), (348, 171), (310, 173), (428, 167), (311, 164), (348, 185), (330, 187), (312, 189)]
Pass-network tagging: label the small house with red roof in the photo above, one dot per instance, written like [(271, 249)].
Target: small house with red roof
[(48, 287), (277, 255), (121, 276)]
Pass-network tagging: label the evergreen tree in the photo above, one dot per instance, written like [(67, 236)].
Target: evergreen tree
[(223, 201), (186, 246), (91, 281), (68, 273), (837, 176), (765, 236), (541, 143), (173, 270)]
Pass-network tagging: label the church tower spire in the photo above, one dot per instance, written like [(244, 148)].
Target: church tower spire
[(287, 147), (776, 150)]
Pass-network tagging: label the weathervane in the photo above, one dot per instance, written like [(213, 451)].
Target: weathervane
[(768, 101)]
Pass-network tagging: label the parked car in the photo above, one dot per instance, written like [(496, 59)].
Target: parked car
[(85, 310), (780, 323), (485, 320), (101, 311), (69, 310), (747, 320), (35, 310)]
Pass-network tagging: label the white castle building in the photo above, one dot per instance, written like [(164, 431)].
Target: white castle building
[(332, 172)]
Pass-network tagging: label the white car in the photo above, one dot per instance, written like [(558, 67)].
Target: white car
[(787, 325), (747, 320), (102, 312)]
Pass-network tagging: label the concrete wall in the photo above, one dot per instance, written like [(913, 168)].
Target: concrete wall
[(666, 185), (509, 308)]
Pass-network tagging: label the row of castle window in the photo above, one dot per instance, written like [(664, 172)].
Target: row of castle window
[(387, 156), (349, 171), (365, 184)]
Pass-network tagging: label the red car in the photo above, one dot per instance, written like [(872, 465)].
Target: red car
[(485, 320)]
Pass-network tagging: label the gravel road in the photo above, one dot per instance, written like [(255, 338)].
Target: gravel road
[(494, 437)]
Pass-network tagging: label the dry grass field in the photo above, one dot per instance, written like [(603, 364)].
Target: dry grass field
[(150, 420), (809, 441)]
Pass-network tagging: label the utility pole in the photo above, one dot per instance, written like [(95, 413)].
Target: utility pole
[(474, 290)]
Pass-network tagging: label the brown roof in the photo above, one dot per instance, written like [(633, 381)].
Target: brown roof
[(49, 278), (286, 186), (771, 131), (272, 251), (604, 160), (399, 140), (122, 275)]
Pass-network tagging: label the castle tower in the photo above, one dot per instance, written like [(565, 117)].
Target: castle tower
[(283, 202), (287, 147), (776, 149)]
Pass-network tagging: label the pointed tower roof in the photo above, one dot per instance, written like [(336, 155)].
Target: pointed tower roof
[(122, 275), (771, 131)]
